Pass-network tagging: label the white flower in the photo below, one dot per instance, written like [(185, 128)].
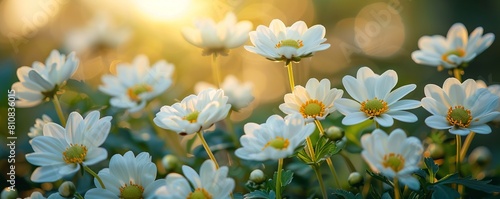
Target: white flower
[(37, 129), (218, 37), (210, 183), (194, 113), (99, 32), (373, 99), (43, 81), (314, 102), (136, 83), (394, 155), (239, 94), (60, 151), (128, 176), (495, 89), (280, 43), (456, 50), (460, 107), (275, 139)]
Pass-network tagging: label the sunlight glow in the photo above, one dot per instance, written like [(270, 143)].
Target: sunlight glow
[(163, 9)]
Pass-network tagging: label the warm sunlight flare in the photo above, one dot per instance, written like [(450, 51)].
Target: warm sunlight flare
[(163, 9)]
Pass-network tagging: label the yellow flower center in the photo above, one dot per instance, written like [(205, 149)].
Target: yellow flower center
[(134, 91), (374, 107), (312, 108), (458, 116), (192, 117), (199, 193), (394, 161), (131, 191), (290, 42), (458, 52), (75, 153), (279, 143)]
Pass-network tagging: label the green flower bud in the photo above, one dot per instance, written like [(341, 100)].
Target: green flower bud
[(170, 162), (257, 176), (355, 179), (334, 133), (480, 156), (8, 193), (67, 189)]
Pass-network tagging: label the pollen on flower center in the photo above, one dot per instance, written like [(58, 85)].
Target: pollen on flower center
[(374, 107), (394, 161), (458, 52), (290, 42), (312, 108), (199, 193), (131, 191), (458, 116), (279, 143), (75, 153), (192, 117), (134, 91)]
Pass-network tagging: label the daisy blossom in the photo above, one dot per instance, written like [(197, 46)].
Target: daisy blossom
[(128, 176), (495, 89), (210, 183), (239, 94), (460, 107), (314, 102), (275, 139), (218, 37), (43, 81), (373, 99), (136, 83), (456, 50), (194, 113), (60, 151), (37, 129), (393, 155), (280, 43)]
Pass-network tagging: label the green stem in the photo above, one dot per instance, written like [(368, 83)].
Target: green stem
[(377, 126), (458, 74), (350, 165), (290, 75), (397, 192), (207, 149), (59, 111), (215, 70), (320, 181), (328, 160), (465, 147), (458, 161), (86, 168), (278, 179), (78, 196)]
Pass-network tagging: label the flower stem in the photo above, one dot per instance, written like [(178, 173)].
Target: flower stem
[(215, 70), (377, 126), (278, 179), (397, 193), (290, 75), (59, 111), (350, 165), (466, 145), (78, 196), (458, 74), (458, 162), (86, 168), (320, 181), (207, 149), (328, 160)]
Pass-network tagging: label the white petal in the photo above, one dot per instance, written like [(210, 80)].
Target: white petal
[(354, 118), (100, 193), (403, 116), (437, 122), (480, 129), (347, 106), (46, 174), (385, 120)]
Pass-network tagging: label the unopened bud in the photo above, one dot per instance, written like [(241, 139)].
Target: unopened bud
[(480, 156), (170, 162), (9, 193), (257, 176), (67, 189), (355, 179), (334, 133)]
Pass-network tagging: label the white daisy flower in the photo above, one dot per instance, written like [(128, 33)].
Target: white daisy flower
[(37, 129), (456, 50), (210, 183), (373, 99), (43, 81), (136, 83), (460, 107), (314, 102), (495, 89), (239, 94), (280, 43), (128, 176), (393, 155), (275, 139), (60, 151), (194, 113), (218, 37)]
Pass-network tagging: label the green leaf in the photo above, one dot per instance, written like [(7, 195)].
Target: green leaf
[(480, 185), (286, 178), (325, 149), (302, 155), (257, 195), (380, 177), (346, 194), (443, 192), (431, 166)]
